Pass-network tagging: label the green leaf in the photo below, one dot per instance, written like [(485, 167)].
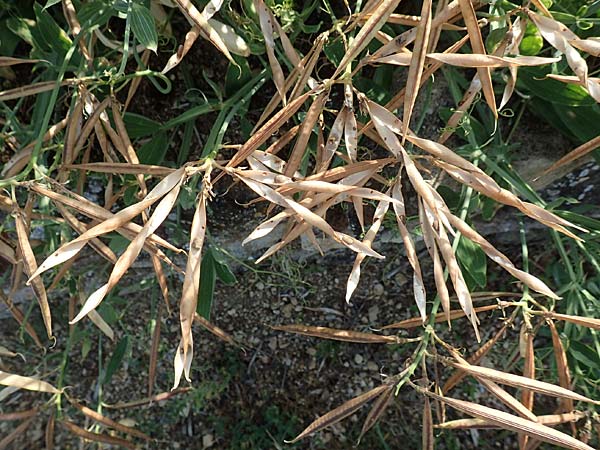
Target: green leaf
[(154, 151), (95, 13), (8, 39), (50, 3), (143, 26), (587, 222), (115, 360), (494, 38), (237, 76), (86, 346), (139, 126), (118, 243), (551, 90), (585, 355), (192, 113), (121, 5), (450, 196), (581, 121), (22, 28), (48, 37), (473, 262), (208, 276), (334, 50), (222, 268), (545, 110), (374, 91), (467, 124)]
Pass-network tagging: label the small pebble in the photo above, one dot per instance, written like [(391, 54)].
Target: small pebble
[(373, 313), (378, 289), (287, 311), (358, 358), (208, 440)]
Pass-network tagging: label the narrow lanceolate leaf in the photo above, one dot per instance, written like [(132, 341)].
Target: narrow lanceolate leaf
[(588, 322), (233, 41), (182, 362), (574, 154), (379, 407), (6, 61), (354, 277), (218, 332), (591, 46), (458, 281), (366, 33), (514, 423), (182, 50), (549, 420), (7, 252), (417, 61), (20, 159), (499, 258), (507, 399), (133, 250), (154, 351), (308, 216), (93, 211), (97, 320), (128, 168), (485, 185), (49, 432), (438, 270), (559, 36), (6, 352), (339, 335), (542, 387), (20, 317), (94, 415), (31, 267), (97, 437), (428, 439), (351, 135), (32, 89), (267, 130), (29, 383), (144, 401), (15, 433), (121, 218), (527, 396), (477, 44), (340, 413), (562, 366), (266, 26), (304, 134), (459, 113), (143, 27), (479, 61), (409, 246), (19, 415), (192, 13), (475, 358), (191, 286), (454, 314), (101, 248)]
